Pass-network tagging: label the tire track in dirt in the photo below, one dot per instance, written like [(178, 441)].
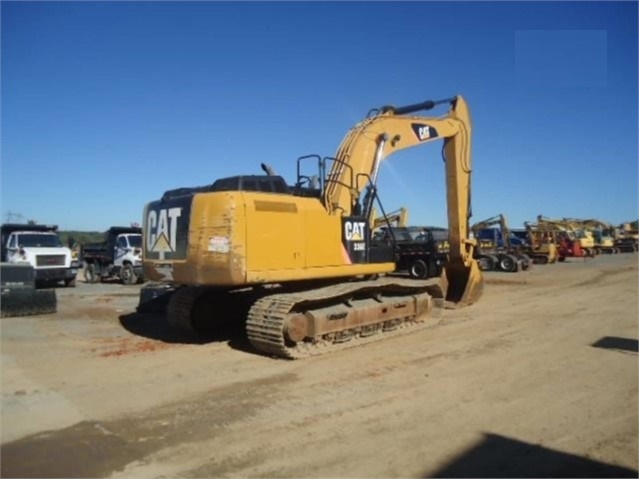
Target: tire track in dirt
[(97, 449)]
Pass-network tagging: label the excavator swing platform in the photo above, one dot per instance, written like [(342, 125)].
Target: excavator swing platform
[(295, 263)]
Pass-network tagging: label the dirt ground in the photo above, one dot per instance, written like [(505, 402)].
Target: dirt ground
[(538, 379)]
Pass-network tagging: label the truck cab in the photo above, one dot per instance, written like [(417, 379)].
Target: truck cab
[(39, 246), (493, 238)]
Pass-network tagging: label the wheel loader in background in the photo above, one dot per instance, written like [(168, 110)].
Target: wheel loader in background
[(295, 261), (493, 255)]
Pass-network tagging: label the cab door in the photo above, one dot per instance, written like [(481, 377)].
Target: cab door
[(12, 249), (121, 249)]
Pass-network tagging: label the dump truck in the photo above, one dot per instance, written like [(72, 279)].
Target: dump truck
[(118, 256), (419, 256), (40, 247), (497, 249)]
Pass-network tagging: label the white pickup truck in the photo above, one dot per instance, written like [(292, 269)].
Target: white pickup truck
[(39, 246)]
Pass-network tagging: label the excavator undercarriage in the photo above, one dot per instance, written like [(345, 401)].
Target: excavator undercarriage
[(295, 323)]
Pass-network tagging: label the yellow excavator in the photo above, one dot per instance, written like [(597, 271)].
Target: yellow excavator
[(398, 218), (295, 261)]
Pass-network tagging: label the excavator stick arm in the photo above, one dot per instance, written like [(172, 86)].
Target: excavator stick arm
[(376, 138)]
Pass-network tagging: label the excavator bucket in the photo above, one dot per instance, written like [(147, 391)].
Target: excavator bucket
[(463, 285)]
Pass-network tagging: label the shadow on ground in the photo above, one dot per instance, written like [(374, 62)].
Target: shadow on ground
[(499, 456), (155, 326), (620, 344)]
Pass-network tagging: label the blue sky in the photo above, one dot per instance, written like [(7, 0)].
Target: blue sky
[(107, 105)]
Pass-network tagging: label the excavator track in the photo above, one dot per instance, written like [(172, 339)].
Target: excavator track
[(180, 308), (270, 315)]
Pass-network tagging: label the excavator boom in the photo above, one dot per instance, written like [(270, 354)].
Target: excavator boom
[(373, 140)]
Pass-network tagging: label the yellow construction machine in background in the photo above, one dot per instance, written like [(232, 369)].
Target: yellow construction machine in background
[(542, 244), (626, 238), (572, 240), (602, 234), (398, 218)]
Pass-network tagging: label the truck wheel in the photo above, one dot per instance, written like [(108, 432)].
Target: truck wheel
[(419, 269), (508, 263), (525, 261), (486, 263), (69, 283), (127, 275), (90, 275)]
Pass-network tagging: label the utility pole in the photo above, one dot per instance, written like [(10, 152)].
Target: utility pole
[(11, 215)]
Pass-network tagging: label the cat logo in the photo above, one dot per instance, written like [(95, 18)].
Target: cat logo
[(354, 230), (161, 230), (424, 132)]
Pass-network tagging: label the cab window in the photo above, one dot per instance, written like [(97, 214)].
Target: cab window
[(249, 184), (266, 185)]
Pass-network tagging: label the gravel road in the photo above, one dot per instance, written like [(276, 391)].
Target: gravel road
[(538, 379)]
